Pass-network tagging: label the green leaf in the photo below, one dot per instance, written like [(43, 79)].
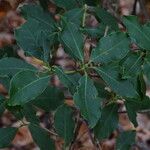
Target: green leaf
[(50, 99), (94, 32), (102, 93), (110, 74), (75, 16), (5, 81), (7, 135), (138, 33), (146, 66), (126, 140), (41, 137), (69, 81), (29, 113), (133, 106), (2, 107), (86, 99), (44, 18), (107, 19), (10, 66), (7, 51), (72, 41), (26, 86), (26, 37), (132, 65), (111, 48), (108, 121), (68, 4), (64, 123)]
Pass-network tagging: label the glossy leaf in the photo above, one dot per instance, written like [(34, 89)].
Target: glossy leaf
[(111, 48), (7, 135), (108, 122), (138, 33), (72, 41), (50, 99), (122, 87), (26, 86), (86, 99), (10, 66), (41, 137), (126, 140), (64, 123)]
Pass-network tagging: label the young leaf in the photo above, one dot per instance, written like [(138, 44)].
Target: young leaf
[(107, 19), (72, 40), (7, 135), (138, 33), (132, 65), (86, 99), (41, 137), (108, 121), (26, 86), (110, 75), (69, 81), (50, 99), (111, 48), (64, 123), (10, 66), (126, 140)]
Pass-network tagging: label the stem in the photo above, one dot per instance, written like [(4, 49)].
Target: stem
[(84, 15)]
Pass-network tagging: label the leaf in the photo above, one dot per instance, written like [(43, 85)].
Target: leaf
[(132, 65), (26, 86), (133, 106), (75, 16), (10, 66), (29, 113), (44, 18), (69, 81), (138, 33), (26, 37), (5, 81), (44, 4), (41, 137), (107, 19), (108, 121), (94, 32), (50, 99), (7, 51), (64, 123), (110, 74), (111, 48), (68, 4), (7, 135), (2, 107), (126, 140), (146, 66), (72, 40), (86, 99)]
